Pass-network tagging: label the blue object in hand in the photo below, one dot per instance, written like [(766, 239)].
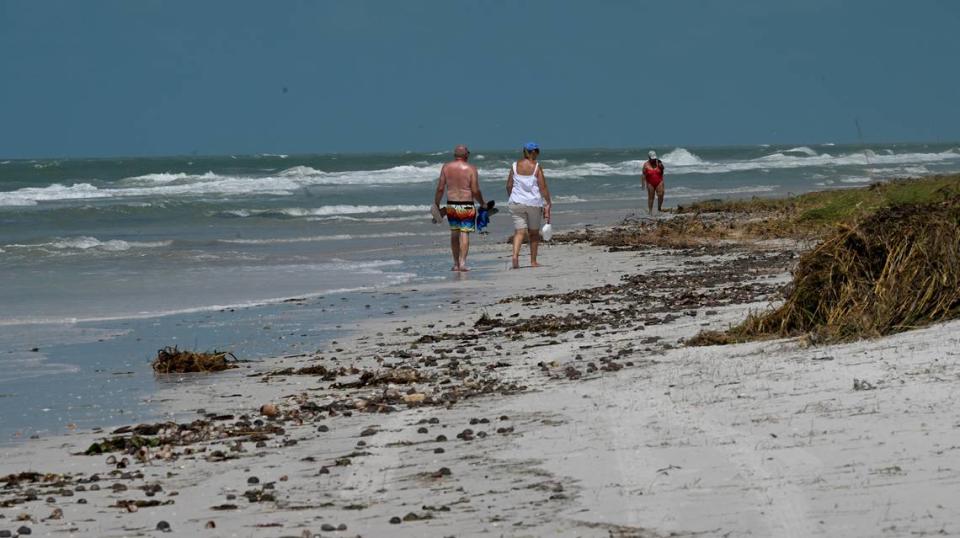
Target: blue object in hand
[(483, 216)]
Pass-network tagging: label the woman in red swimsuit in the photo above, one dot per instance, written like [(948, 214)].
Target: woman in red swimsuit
[(653, 179)]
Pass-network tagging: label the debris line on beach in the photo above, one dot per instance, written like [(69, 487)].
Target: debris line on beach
[(171, 360), (895, 270)]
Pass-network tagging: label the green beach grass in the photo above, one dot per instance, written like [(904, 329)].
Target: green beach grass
[(817, 212)]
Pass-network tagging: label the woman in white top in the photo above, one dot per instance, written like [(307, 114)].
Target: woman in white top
[(529, 201)]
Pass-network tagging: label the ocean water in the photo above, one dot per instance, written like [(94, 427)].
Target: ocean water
[(107, 259)]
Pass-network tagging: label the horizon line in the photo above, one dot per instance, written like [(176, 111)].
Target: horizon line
[(473, 150)]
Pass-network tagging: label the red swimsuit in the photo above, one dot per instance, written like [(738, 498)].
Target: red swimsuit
[(653, 175)]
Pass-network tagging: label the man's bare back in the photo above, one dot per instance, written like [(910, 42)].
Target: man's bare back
[(460, 179)]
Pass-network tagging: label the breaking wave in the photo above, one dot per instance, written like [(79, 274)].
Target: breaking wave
[(315, 238), (802, 150), (382, 211), (680, 157), (83, 242), (297, 179)]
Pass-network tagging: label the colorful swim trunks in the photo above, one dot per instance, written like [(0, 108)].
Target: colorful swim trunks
[(462, 216)]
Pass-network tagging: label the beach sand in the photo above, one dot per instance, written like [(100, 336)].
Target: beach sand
[(587, 416)]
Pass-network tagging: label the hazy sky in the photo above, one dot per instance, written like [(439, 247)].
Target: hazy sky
[(140, 77)]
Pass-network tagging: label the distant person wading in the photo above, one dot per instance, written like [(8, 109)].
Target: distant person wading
[(653, 181), (529, 201), (461, 183)]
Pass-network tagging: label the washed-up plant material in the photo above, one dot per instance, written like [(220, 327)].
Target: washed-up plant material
[(896, 270), (171, 360)]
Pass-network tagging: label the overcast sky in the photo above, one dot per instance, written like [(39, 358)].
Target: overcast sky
[(144, 77)]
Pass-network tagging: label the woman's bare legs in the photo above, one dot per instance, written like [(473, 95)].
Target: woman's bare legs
[(517, 242), (534, 244)]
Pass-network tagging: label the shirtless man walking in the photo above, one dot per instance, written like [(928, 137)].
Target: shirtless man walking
[(459, 179)]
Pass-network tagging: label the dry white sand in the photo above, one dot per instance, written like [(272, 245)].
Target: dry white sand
[(762, 439)]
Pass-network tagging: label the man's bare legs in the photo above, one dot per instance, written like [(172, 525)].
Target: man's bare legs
[(464, 249), (455, 248), (534, 244), (459, 247)]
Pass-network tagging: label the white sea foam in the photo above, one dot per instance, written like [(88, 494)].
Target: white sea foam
[(163, 178), (315, 238), (783, 161), (241, 213), (681, 157), (347, 218), (328, 210), (397, 174), (86, 242), (625, 168), (29, 196), (803, 150), (170, 184), (293, 180), (572, 199)]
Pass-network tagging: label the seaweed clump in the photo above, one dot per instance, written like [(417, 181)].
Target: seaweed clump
[(171, 360), (895, 270)]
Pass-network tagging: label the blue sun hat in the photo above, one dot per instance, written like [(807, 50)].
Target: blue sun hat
[(531, 146)]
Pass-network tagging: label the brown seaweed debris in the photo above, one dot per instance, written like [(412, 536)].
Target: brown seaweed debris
[(15, 480), (147, 436), (171, 360), (687, 231), (896, 270)]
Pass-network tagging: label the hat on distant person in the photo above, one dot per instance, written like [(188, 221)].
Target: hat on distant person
[(652, 154), (531, 146)]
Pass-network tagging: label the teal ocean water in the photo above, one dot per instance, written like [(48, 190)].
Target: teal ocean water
[(95, 248)]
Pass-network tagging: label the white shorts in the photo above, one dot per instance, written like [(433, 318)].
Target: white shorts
[(527, 217)]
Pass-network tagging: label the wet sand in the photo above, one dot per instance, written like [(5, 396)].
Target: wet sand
[(558, 401)]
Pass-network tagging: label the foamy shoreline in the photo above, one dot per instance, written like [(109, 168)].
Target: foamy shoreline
[(763, 438)]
